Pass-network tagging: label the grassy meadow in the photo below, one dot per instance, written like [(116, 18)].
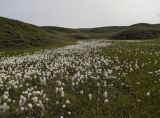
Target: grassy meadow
[(55, 72), (89, 79)]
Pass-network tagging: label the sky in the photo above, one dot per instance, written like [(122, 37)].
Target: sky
[(82, 13)]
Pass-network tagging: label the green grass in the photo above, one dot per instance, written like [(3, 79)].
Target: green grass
[(123, 99), (16, 34), (32, 49), (126, 94), (137, 33)]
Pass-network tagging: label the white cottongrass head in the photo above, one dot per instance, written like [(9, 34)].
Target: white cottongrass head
[(90, 96)]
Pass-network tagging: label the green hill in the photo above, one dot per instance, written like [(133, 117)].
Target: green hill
[(17, 34), (139, 31)]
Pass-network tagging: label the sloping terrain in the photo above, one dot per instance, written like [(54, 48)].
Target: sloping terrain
[(16, 34), (139, 31)]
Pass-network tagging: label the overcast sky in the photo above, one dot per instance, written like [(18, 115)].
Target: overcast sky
[(82, 13)]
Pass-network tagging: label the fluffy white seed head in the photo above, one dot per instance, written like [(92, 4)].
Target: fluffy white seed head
[(67, 102), (90, 96), (148, 94), (30, 106), (105, 94), (106, 101)]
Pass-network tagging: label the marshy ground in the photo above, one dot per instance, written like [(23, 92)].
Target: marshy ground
[(90, 79)]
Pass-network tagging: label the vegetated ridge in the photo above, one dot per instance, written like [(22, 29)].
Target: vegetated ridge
[(17, 34)]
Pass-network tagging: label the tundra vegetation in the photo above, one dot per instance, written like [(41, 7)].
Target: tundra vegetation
[(91, 79), (87, 79)]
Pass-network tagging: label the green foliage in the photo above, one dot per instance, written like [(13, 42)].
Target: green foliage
[(126, 93), (138, 31), (16, 34)]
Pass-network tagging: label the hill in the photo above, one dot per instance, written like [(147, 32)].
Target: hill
[(17, 34), (139, 31)]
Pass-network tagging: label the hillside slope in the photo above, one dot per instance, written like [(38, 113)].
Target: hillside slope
[(139, 31), (17, 34)]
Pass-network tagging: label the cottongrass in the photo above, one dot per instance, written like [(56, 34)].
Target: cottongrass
[(65, 81)]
